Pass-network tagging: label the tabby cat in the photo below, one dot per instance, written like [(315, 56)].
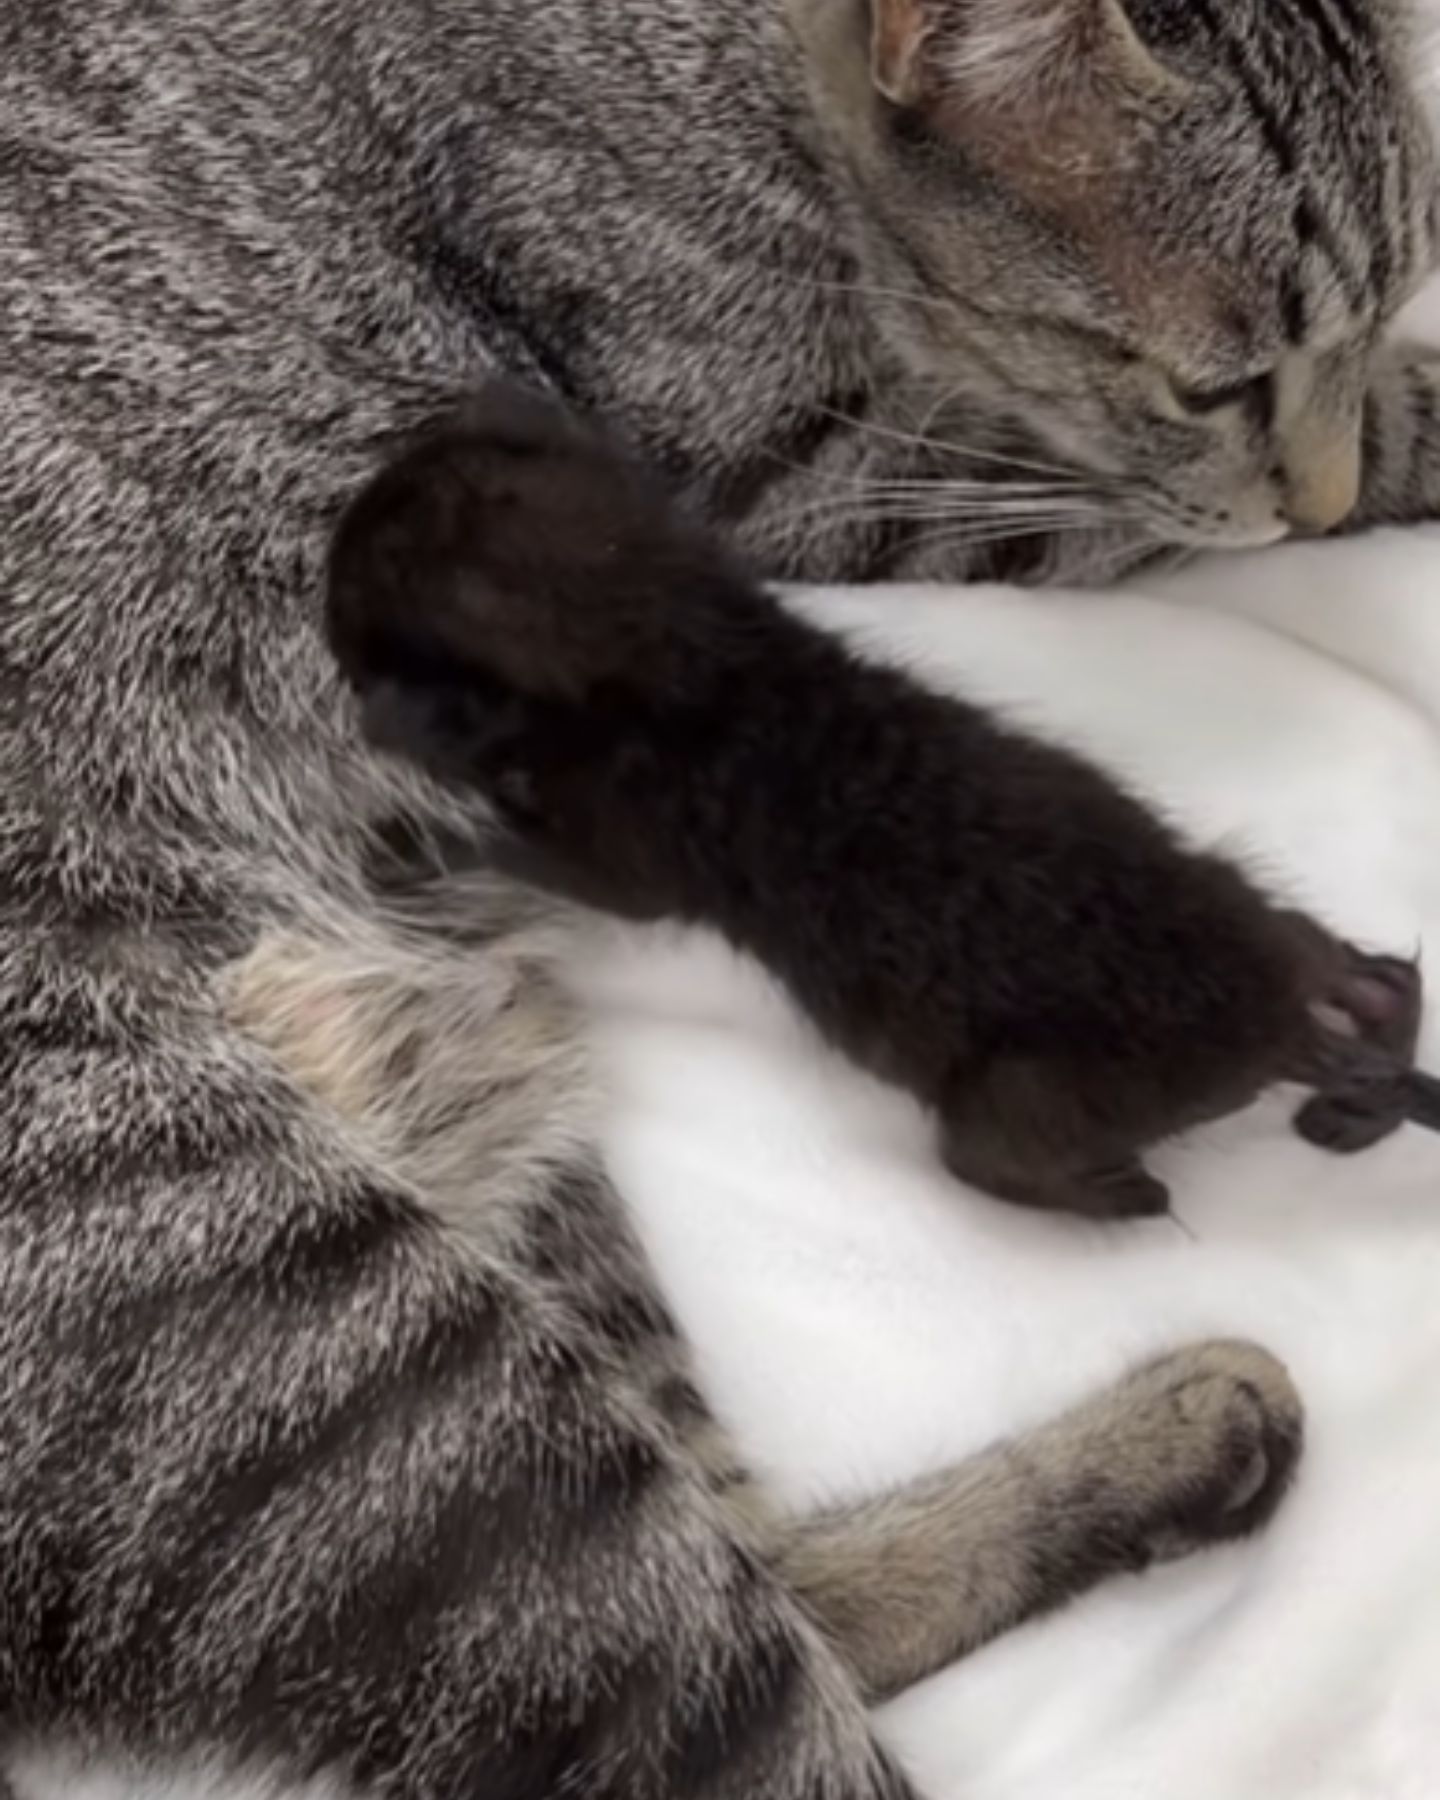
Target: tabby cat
[(342, 1428)]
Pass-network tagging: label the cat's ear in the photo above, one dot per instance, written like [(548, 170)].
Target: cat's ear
[(900, 48), (954, 54)]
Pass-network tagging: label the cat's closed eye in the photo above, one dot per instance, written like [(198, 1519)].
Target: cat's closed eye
[(1256, 394)]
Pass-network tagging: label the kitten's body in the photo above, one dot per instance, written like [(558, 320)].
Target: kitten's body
[(340, 1424), (978, 916)]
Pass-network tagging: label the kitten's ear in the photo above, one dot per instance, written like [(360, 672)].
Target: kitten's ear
[(954, 53)]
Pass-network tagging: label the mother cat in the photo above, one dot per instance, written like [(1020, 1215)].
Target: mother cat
[(341, 1428)]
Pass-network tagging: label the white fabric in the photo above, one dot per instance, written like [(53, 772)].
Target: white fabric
[(860, 1316)]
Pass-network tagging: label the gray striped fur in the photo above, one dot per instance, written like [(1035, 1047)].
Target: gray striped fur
[(342, 1432)]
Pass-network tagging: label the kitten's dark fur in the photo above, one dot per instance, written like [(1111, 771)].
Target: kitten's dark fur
[(978, 916)]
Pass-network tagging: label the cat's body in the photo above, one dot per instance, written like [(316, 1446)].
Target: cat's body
[(340, 1425)]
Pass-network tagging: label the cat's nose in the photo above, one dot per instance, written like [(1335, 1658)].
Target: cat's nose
[(1320, 487)]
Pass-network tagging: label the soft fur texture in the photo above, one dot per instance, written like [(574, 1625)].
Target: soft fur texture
[(978, 916), (313, 1453)]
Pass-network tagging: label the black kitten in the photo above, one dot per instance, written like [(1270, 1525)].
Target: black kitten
[(983, 918)]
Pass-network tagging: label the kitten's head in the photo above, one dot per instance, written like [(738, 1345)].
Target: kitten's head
[(1160, 237), (518, 549), (511, 598)]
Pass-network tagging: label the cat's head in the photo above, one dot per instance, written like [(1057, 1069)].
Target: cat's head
[(1160, 237)]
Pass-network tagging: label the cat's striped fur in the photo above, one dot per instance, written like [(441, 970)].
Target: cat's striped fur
[(341, 1428)]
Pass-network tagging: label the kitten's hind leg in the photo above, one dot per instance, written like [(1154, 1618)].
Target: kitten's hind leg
[(1120, 1189), (1193, 1449)]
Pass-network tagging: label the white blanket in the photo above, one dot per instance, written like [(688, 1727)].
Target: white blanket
[(860, 1316)]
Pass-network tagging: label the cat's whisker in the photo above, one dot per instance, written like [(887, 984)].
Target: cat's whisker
[(1068, 479), (961, 488), (951, 447), (938, 408), (955, 500), (870, 290), (933, 501), (941, 506), (996, 524), (917, 507), (1065, 483), (935, 479), (1069, 487), (1001, 517), (980, 536)]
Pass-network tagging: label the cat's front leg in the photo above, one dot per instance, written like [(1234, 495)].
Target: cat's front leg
[(1400, 447), (1195, 1448)]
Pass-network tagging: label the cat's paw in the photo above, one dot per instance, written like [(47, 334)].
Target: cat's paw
[(1218, 1429)]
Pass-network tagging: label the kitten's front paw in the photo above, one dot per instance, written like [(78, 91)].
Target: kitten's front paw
[(1346, 1122), (1219, 1429)]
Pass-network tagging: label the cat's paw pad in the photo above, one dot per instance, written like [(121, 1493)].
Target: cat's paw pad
[(1226, 1433)]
